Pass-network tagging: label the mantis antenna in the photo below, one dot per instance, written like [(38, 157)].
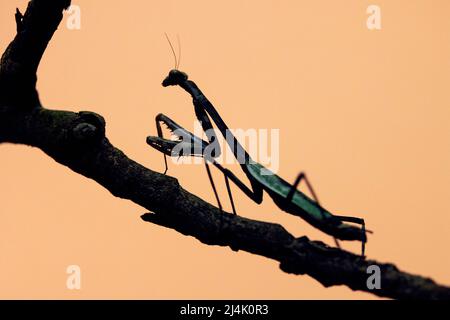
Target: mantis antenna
[(179, 52), (173, 50)]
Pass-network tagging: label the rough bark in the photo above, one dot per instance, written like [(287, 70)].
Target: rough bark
[(78, 141)]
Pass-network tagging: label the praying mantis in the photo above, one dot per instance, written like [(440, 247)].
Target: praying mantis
[(286, 196)]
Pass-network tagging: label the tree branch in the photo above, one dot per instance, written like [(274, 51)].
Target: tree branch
[(78, 141)]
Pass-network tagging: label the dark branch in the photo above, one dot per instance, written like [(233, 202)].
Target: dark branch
[(77, 140), (21, 59)]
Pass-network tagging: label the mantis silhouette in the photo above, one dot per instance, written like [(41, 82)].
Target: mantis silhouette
[(286, 196)]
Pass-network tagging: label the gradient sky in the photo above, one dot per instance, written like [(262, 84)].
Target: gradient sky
[(365, 113)]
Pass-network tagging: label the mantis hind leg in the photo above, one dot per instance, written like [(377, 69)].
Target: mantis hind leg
[(363, 230), (302, 176)]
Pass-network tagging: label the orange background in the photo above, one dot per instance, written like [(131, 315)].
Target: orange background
[(364, 113)]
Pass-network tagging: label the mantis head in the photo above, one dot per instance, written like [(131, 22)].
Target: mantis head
[(175, 77)]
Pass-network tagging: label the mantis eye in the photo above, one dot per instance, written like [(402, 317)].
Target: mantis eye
[(172, 74)]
